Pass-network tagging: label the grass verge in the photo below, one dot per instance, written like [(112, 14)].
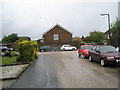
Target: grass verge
[(8, 60)]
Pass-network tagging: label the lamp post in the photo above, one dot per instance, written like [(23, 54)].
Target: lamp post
[(109, 32)]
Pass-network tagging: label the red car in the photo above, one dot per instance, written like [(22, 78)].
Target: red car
[(105, 54), (84, 50)]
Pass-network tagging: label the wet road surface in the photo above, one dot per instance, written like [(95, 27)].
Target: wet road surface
[(67, 70)]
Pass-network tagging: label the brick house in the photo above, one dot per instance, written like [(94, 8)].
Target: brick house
[(57, 36)]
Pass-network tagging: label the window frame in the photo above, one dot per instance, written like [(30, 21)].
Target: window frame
[(55, 36)]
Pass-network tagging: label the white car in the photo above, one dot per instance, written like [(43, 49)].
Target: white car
[(68, 47)]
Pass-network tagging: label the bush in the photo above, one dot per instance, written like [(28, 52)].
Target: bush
[(18, 59), (27, 50), (13, 53), (7, 53), (99, 43)]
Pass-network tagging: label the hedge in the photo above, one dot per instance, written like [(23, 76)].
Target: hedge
[(99, 43), (28, 51)]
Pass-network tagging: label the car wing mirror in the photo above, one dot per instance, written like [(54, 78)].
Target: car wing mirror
[(98, 51)]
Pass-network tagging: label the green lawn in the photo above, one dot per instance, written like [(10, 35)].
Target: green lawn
[(8, 60)]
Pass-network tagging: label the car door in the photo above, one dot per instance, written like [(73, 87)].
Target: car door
[(92, 53), (81, 49), (69, 47), (66, 47), (97, 53)]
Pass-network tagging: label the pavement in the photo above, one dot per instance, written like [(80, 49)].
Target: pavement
[(12, 71), (9, 73), (66, 70)]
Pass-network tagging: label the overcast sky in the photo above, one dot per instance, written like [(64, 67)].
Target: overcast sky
[(34, 17)]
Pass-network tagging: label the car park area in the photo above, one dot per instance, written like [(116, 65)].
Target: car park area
[(66, 70)]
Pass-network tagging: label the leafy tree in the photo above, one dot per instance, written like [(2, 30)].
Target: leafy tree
[(77, 41), (115, 29), (10, 38), (97, 36), (88, 39)]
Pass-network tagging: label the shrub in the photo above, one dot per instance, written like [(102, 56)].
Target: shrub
[(13, 53), (99, 43), (7, 53), (27, 50)]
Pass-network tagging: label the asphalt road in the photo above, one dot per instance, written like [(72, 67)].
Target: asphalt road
[(67, 70)]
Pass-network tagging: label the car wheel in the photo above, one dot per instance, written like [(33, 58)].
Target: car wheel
[(42, 50), (73, 49), (85, 57), (63, 49), (90, 59), (79, 55), (102, 62)]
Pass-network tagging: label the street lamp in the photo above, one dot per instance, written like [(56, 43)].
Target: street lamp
[(108, 26)]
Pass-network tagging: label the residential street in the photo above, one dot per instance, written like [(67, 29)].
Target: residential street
[(67, 70)]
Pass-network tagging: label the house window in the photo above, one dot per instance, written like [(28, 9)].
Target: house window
[(56, 36)]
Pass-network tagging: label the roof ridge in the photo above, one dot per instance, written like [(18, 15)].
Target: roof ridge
[(58, 26)]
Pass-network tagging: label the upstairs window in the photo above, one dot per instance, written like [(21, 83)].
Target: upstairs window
[(56, 37)]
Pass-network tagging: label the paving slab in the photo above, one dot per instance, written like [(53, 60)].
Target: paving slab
[(11, 71), (10, 74)]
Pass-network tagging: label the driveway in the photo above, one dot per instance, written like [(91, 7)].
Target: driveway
[(67, 70)]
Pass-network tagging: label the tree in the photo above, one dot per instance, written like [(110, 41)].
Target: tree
[(95, 36), (115, 29), (10, 38), (88, 39), (76, 41)]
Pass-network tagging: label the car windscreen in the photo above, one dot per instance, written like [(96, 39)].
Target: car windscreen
[(108, 49), (91, 44), (44, 47), (87, 47)]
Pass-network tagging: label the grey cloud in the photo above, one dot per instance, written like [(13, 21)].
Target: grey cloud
[(34, 18)]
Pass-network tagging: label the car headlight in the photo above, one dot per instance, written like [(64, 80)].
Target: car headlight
[(110, 57)]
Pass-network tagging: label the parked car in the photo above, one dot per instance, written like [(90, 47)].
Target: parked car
[(3, 49), (104, 54), (84, 50), (46, 48), (68, 47), (90, 44)]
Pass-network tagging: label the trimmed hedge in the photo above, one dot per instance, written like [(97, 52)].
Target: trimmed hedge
[(28, 51)]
